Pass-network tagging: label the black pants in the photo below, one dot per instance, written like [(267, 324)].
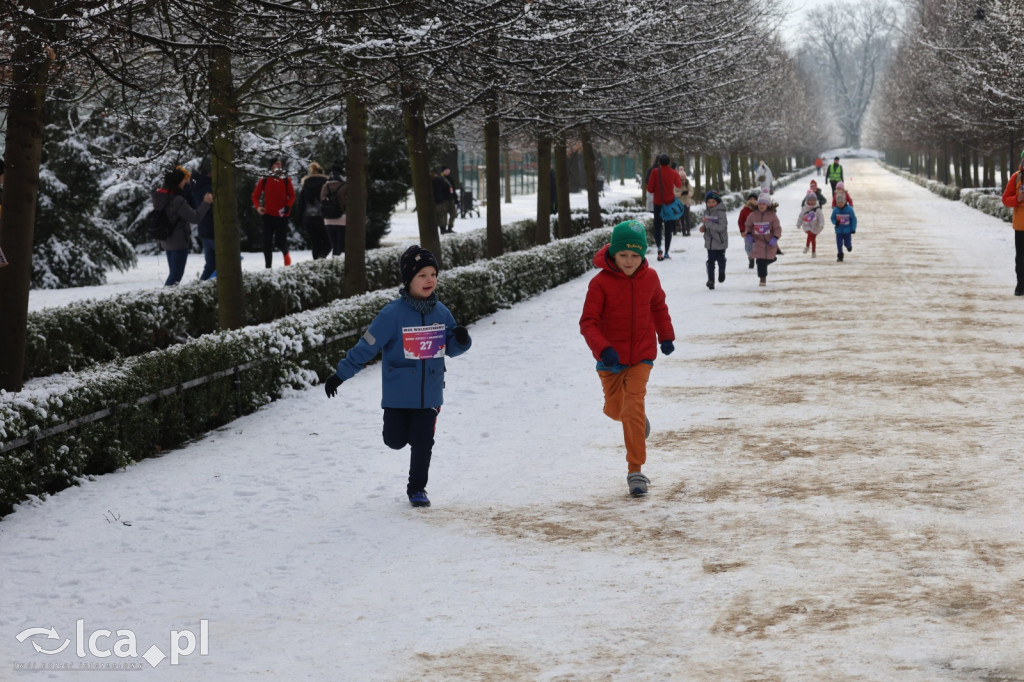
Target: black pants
[(275, 233), (415, 428), (1018, 241), (762, 266), (659, 226), (715, 256), (318, 241)]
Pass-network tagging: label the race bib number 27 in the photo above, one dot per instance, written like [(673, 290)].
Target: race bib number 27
[(423, 343)]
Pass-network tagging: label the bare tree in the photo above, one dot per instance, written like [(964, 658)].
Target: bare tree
[(849, 49)]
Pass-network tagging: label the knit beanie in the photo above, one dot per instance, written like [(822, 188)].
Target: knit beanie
[(712, 194), (840, 185), (413, 260), (764, 198), (811, 196), (629, 235)]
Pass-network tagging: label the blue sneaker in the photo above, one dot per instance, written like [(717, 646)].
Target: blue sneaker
[(419, 499)]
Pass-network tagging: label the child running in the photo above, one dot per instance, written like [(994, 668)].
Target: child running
[(763, 232), (748, 206), (716, 235), (811, 221), (845, 221), (413, 333), (624, 316)]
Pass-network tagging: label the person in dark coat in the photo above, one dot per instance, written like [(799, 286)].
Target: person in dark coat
[(171, 198), (201, 185), (445, 200), (308, 213)]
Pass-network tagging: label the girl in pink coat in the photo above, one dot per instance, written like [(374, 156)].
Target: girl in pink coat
[(763, 232)]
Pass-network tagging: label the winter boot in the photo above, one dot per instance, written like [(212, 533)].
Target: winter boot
[(721, 275), (763, 282), (750, 263), (839, 258), (419, 499), (637, 484), (806, 249), (711, 284)]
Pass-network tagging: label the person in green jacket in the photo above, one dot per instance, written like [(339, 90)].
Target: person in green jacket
[(834, 174)]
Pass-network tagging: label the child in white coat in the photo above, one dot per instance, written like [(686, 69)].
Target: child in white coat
[(811, 221)]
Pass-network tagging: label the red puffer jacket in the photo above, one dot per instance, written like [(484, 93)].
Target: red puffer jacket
[(627, 313), (278, 195)]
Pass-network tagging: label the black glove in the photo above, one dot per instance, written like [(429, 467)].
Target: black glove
[(461, 335), (667, 347), (331, 385), (609, 357)]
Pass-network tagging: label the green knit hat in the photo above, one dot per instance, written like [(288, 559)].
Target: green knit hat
[(629, 235)]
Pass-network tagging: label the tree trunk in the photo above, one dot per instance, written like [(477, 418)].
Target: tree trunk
[(562, 188), (646, 161), (413, 103), (543, 235), (492, 159), (506, 171), (22, 156), (357, 122), (227, 241), (622, 170), (590, 170), (735, 176)]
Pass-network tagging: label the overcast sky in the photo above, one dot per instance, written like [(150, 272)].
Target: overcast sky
[(795, 15)]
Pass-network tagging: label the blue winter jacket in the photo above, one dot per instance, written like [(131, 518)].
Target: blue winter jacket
[(845, 210), (407, 382)]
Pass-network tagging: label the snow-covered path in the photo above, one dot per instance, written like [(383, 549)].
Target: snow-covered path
[(836, 494)]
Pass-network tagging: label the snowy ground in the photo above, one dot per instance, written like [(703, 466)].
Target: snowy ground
[(836, 491)]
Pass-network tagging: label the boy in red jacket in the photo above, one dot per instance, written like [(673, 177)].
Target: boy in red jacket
[(624, 317), (278, 195)]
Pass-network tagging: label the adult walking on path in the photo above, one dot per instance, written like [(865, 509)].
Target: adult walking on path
[(1013, 196), (836, 486)]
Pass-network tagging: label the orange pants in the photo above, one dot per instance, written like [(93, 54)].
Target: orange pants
[(624, 394)]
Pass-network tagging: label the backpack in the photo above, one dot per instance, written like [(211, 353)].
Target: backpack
[(331, 206), (158, 224)]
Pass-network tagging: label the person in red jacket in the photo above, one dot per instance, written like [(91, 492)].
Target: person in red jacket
[(662, 182), (624, 317), (1013, 197), (273, 198), (748, 206)]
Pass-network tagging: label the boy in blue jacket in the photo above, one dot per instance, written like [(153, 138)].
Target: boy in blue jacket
[(413, 333), (845, 221)]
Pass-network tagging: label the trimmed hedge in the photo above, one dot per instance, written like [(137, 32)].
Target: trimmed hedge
[(154, 406), (77, 336), (988, 201)]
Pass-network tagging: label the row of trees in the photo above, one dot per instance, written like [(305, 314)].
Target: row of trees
[(146, 83), (952, 103)]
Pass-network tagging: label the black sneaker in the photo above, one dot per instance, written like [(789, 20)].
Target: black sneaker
[(839, 258), (419, 499), (1019, 291), (750, 263), (721, 276), (711, 284)]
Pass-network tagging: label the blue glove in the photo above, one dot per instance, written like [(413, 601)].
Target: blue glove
[(609, 357), (773, 241), (750, 238), (331, 385), (461, 335), (667, 347)]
